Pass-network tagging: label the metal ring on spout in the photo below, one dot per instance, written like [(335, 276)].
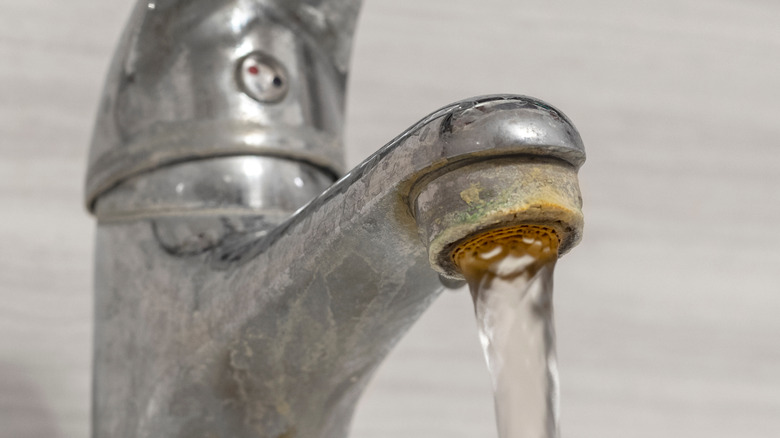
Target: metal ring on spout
[(535, 184), (493, 195)]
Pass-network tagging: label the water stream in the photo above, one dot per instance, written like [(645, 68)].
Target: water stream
[(510, 277)]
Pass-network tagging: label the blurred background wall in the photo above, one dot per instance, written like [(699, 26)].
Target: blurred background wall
[(667, 312)]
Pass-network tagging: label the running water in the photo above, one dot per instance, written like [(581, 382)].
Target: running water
[(510, 276)]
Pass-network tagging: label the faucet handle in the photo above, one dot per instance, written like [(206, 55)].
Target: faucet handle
[(195, 79)]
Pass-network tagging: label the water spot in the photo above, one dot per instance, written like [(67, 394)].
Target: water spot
[(471, 194)]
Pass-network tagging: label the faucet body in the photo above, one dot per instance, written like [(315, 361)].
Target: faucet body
[(240, 291)]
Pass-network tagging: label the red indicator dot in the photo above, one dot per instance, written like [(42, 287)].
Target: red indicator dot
[(253, 70)]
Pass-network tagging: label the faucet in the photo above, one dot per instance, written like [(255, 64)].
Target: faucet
[(241, 288)]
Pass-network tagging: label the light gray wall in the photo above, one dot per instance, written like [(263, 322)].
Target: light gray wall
[(668, 311)]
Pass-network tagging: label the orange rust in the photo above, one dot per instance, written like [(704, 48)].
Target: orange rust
[(537, 241)]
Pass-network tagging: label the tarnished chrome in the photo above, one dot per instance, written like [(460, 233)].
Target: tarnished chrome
[(238, 292), (220, 323)]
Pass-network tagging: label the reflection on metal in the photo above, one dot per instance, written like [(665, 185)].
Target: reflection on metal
[(239, 291)]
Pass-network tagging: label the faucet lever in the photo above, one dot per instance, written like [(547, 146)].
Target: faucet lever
[(200, 79)]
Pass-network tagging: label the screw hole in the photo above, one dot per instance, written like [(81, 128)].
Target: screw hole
[(262, 77)]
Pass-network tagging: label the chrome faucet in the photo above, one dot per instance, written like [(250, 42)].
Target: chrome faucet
[(240, 291)]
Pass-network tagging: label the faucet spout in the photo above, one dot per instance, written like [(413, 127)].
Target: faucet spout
[(213, 322)]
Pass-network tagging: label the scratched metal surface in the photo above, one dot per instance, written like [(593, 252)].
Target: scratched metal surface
[(667, 310)]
